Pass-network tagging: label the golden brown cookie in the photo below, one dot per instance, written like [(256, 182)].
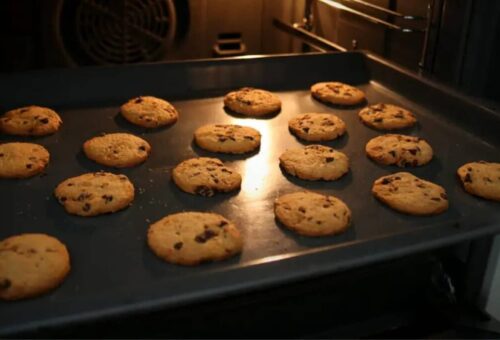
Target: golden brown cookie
[(95, 193), (205, 176), (337, 93), (189, 238), (387, 117), (22, 160), (312, 214), (227, 138), (30, 121), (31, 265), (481, 179), (409, 194), (119, 150), (399, 150), (315, 162), (149, 112), (316, 127), (252, 102)]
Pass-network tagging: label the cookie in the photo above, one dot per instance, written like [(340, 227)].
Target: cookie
[(95, 193), (387, 117), (481, 179), (315, 162), (252, 102), (205, 176), (316, 127), (149, 112), (31, 265), (409, 194), (119, 150), (337, 93), (190, 238), (227, 138), (30, 121), (22, 160), (312, 214), (399, 150)]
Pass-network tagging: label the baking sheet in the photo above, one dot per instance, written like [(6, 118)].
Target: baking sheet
[(114, 272)]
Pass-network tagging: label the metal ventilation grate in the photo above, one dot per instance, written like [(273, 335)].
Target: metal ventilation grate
[(117, 31)]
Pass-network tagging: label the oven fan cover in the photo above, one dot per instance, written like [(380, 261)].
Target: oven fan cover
[(100, 32)]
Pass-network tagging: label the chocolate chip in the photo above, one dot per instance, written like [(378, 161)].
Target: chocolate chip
[(329, 159), (392, 153), (399, 115), (327, 123), (222, 139), (5, 284), (203, 190), (142, 148), (386, 181), (302, 210), (86, 207), (29, 166), (83, 196), (107, 198), (248, 137), (70, 184), (178, 245), (44, 121), (306, 130), (1, 154), (231, 138), (378, 120), (487, 179), (205, 236), (63, 199), (226, 170), (413, 151), (222, 224), (211, 169), (437, 199), (138, 100), (443, 196), (326, 205)]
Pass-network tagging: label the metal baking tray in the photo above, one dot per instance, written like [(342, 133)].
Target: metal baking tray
[(114, 272)]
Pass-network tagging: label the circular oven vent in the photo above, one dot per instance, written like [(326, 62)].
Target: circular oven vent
[(116, 31)]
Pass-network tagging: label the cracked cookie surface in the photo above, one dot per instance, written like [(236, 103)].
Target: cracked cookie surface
[(337, 93), (119, 150), (95, 193), (400, 150), (409, 194), (227, 138), (149, 112), (387, 117), (481, 179), (22, 160), (30, 121), (31, 265), (315, 162), (316, 127), (205, 176), (252, 102), (312, 214), (190, 238)]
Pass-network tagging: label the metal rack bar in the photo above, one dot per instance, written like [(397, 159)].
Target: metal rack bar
[(372, 19), (387, 11)]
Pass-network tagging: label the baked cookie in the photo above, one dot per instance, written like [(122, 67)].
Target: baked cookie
[(31, 265), (227, 138), (312, 214), (205, 176), (30, 121), (315, 162), (409, 194), (95, 193), (387, 117), (316, 127), (189, 238), (119, 150), (481, 179), (22, 160), (252, 102), (399, 150), (149, 112), (337, 93)]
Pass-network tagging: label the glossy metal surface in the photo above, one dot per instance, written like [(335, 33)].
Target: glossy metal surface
[(114, 272)]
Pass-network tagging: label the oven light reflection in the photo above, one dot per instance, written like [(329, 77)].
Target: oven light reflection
[(256, 170)]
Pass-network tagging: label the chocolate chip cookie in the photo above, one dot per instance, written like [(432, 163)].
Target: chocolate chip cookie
[(399, 150), (227, 138), (22, 160), (149, 112), (337, 93), (316, 127), (252, 102), (30, 121), (387, 117), (481, 179)]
